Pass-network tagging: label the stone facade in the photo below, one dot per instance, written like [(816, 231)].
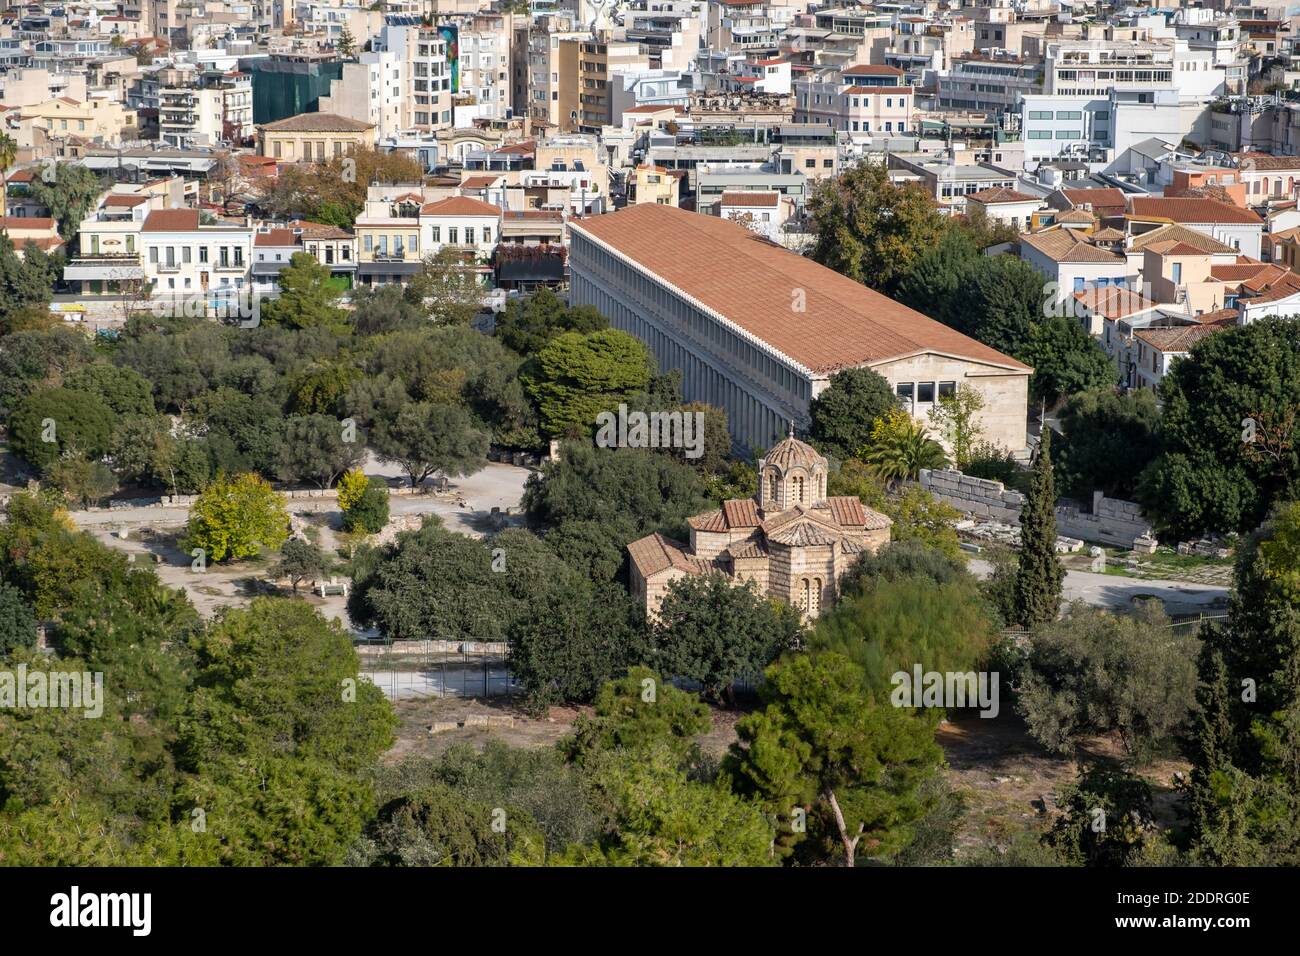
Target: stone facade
[(790, 540)]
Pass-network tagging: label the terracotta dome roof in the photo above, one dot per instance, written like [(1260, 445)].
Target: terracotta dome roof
[(791, 452)]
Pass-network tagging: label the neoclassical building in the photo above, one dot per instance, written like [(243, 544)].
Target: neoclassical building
[(791, 540)]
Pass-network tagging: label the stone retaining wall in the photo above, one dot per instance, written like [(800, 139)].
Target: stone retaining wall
[(974, 496), (1113, 521)]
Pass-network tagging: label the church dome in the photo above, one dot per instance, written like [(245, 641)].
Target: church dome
[(792, 453)]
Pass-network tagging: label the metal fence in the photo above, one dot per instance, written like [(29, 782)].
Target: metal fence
[(406, 670)]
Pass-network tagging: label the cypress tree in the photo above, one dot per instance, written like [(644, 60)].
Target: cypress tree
[(1039, 573)]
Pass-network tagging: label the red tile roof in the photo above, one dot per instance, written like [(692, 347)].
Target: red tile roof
[(738, 198), (752, 282), (460, 206), (1184, 209), (871, 69), (171, 220)]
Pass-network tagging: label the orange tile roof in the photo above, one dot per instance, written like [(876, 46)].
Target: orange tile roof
[(738, 198), (1112, 302), (655, 553), (741, 513), (1180, 339), (871, 69), (171, 220), (276, 237), (1185, 209), (1173, 231), (460, 206), (1001, 194), (1066, 245), (750, 282)]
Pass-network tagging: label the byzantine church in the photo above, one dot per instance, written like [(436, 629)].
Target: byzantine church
[(791, 540)]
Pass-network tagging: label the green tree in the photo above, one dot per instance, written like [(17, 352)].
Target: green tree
[(1039, 573), (53, 422), (957, 418), (300, 559), (1096, 672), (123, 390), (308, 299), (900, 448), (658, 817), (821, 747), (1245, 792), (1107, 821), (425, 438), (347, 46), (629, 491), (236, 517), (369, 511), (1228, 446), (528, 325), (843, 413), (577, 376), (1066, 360), (711, 631), (437, 826), (318, 448), (81, 479), (1108, 438), (26, 287), (448, 287), (17, 620), (639, 712), (887, 625), (870, 229), (572, 639), (69, 193)]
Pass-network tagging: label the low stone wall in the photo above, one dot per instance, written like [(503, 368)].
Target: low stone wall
[(974, 496), (1113, 521)]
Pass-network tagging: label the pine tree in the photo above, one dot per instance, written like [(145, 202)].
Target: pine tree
[(1039, 573), (347, 45)]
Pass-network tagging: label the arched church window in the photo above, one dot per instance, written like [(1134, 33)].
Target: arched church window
[(773, 499), (804, 594), (796, 485), (815, 596)]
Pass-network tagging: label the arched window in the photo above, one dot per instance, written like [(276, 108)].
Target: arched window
[(773, 499), (814, 604), (805, 594), (796, 486)]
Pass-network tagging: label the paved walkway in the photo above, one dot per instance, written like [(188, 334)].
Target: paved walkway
[(1114, 591)]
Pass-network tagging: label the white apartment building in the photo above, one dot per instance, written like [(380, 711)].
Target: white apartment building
[(1095, 67), (210, 109), (868, 99), (373, 90), (461, 223), (1103, 128), (181, 257), (485, 51)]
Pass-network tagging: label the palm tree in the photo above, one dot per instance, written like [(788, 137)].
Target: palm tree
[(902, 449), (8, 153)]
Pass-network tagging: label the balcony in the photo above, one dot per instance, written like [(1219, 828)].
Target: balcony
[(225, 265), (95, 267)]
